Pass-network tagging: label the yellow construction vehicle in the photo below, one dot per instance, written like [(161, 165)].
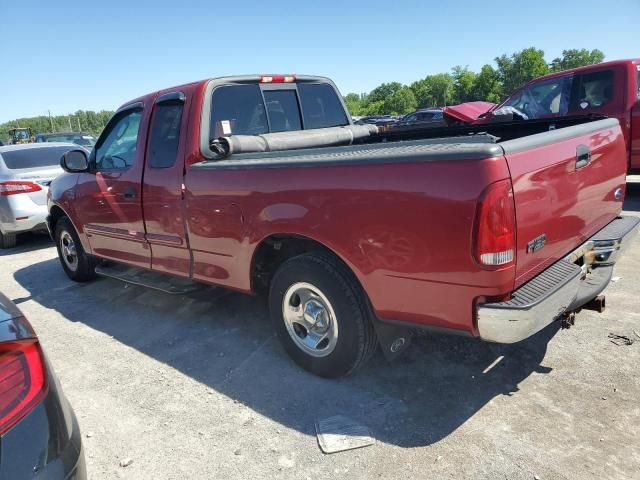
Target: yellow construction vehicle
[(21, 135)]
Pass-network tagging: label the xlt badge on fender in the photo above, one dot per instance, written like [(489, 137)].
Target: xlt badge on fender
[(536, 244)]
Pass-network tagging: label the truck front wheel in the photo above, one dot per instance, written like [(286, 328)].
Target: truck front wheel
[(77, 264), (320, 315)]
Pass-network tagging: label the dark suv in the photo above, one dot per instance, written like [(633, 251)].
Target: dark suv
[(427, 115)]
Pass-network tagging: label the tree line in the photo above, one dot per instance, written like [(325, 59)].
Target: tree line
[(490, 84), (83, 120)]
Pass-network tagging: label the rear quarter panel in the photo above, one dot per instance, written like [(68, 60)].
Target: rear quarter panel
[(405, 229)]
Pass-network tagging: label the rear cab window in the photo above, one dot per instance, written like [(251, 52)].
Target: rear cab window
[(254, 109)]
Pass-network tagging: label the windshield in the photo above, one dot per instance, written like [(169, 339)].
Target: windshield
[(541, 99), (33, 157), (21, 134)]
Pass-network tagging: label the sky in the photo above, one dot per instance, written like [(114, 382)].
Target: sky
[(67, 55)]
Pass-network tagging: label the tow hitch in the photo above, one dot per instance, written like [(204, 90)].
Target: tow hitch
[(597, 304), (568, 319)]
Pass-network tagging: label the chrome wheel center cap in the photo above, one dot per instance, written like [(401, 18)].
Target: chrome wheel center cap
[(316, 315)]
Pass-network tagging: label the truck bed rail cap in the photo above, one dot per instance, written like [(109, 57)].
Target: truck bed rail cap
[(553, 136)]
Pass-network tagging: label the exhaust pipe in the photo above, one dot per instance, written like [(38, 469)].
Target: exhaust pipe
[(597, 304)]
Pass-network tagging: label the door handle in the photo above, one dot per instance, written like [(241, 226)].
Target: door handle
[(129, 193), (583, 156)]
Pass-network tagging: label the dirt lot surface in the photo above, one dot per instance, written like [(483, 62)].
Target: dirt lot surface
[(194, 387)]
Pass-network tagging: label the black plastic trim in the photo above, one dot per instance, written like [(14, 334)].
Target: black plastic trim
[(130, 106), (540, 287), (171, 97)]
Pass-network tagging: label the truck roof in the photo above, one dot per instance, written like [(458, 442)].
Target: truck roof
[(235, 79)]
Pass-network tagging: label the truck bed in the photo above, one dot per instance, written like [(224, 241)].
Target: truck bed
[(553, 199), (427, 144)]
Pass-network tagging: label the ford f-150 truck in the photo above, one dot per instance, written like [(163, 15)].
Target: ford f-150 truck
[(359, 236), (610, 89)]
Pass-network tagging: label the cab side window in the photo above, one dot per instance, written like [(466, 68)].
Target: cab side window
[(593, 90), (165, 135), (116, 149)]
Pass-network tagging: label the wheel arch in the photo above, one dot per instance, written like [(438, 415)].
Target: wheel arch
[(276, 248), (56, 212)]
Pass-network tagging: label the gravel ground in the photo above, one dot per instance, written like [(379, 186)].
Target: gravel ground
[(198, 387)]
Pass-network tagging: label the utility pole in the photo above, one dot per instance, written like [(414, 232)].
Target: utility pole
[(53, 130), (70, 127), (79, 128)]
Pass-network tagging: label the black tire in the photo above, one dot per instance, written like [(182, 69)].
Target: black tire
[(355, 340), (84, 270), (7, 240)]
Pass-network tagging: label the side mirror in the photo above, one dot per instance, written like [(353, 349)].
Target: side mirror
[(75, 161)]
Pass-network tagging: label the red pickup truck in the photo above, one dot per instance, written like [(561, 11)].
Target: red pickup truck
[(359, 236), (611, 89)]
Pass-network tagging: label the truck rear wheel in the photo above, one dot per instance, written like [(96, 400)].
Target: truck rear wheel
[(7, 240), (77, 264), (320, 315)]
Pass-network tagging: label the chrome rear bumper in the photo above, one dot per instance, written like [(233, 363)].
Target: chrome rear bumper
[(563, 287)]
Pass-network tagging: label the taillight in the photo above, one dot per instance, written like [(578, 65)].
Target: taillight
[(495, 228), (23, 381), (277, 78), (15, 187)]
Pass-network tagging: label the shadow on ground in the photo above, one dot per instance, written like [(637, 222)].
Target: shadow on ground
[(224, 340)]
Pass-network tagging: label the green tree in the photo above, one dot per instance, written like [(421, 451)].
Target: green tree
[(433, 90), (373, 108), (463, 84), (400, 102), (354, 104), (442, 88), (575, 58), (88, 121), (422, 92), (487, 86), (520, 67), (383, 91)]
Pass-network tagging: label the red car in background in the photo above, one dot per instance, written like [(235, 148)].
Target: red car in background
[(611, 89)]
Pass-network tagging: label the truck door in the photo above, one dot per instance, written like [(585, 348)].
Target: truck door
[(108, 199), (162, 186)]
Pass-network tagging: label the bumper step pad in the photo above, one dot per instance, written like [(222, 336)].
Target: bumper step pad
[(541, 286)]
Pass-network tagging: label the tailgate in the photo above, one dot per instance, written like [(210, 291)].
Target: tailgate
[(568, 184)]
